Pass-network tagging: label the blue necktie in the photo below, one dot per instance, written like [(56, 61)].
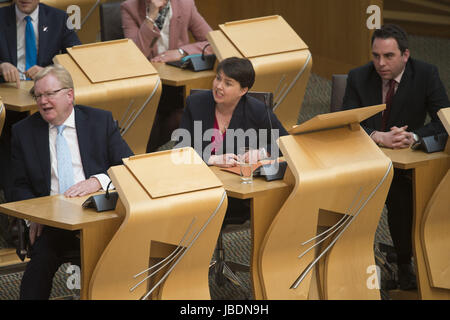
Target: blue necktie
[(64, 159), (30, 45)]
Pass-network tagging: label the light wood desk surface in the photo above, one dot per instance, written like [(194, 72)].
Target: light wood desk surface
[(96, 228), (176, 77), (409, 159), (18, 99), (56, 211)]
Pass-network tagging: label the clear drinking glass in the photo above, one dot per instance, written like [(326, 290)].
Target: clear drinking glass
[(247, 158)]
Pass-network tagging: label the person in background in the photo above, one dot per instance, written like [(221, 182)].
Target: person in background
[(31, 34), (227, 108), (62, 149), (160, 29), (411, 89)]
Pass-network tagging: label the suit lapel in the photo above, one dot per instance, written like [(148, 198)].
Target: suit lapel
[(43, 149), (43, 34), (375, 93), (397, 108), (82, 127), (11, 34)]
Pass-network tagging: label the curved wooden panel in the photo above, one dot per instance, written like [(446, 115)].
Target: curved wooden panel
[(174, 235), (336, 171), (286, 75), (436, 235)]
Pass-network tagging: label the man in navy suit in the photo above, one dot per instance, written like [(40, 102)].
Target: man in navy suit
[(51, 35), (95, 145), (411, 89)]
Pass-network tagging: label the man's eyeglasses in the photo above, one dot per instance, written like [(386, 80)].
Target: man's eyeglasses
[(49, 94)]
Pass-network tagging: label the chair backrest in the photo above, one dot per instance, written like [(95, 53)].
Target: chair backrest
[(110, 21), (265, 97), (338, 85), (2, 116)]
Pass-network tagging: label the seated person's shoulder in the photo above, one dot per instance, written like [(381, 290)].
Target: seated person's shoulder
[(52, 12), (422, 67)]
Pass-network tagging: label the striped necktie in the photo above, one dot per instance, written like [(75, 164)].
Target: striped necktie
[(30, 45), (64, 160)]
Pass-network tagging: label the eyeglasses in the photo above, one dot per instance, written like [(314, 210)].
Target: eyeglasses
[(49, 94)]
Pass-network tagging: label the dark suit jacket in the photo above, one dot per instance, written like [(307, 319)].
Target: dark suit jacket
[(420, 92), (250, 113), (53, 41), (101, 147)]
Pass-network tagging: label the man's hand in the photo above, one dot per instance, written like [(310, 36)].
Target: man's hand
[(169, 55), (31, 73), (396, 138), (83, 188), (10, 73), (227, 160), (35, 231)]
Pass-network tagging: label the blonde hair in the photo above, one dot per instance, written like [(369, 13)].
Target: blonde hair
[(59, 72)]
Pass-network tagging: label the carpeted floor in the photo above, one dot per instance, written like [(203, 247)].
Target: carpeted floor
[(237, 245)]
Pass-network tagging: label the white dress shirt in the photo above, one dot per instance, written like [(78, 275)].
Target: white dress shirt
[(163, 40), (70, 134), (21, 26)]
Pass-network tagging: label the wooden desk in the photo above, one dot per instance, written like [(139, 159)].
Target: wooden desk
[(18, 99), (176, 77), (96, 228), (266, 200), (428, 169)]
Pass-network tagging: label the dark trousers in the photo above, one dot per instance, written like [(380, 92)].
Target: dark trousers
[(167, 118), (400, 214), (49, 251)]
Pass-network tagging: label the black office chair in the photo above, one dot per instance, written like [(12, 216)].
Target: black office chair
[(338, 85), (110, 21), (220, 267)]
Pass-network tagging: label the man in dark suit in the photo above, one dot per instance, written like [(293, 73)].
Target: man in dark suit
[(51, 37), (60, 149), (411, 89)]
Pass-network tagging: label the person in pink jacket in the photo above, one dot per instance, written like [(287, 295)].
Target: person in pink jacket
[(160, 28)]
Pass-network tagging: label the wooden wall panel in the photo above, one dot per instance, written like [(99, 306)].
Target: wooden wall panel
[(334, 30)]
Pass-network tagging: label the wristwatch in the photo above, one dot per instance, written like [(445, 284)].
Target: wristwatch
[(415, 137), (182, 52)]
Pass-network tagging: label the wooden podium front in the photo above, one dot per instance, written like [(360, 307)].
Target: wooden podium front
[(281, 60), (159, 240), (172, 206), (116, 76), (341, 181), (435, 234)]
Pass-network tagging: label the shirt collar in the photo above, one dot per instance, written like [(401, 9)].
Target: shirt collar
[(70, 121), (20, 15), (397, 79)]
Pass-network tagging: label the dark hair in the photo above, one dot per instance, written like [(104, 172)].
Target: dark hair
[(392, 31), (239, 69)]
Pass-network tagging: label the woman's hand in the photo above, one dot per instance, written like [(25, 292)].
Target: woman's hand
[(153, 7), (227, 160), (169, 55)]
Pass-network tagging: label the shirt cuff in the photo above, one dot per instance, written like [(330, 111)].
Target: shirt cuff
[(104, 181)]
